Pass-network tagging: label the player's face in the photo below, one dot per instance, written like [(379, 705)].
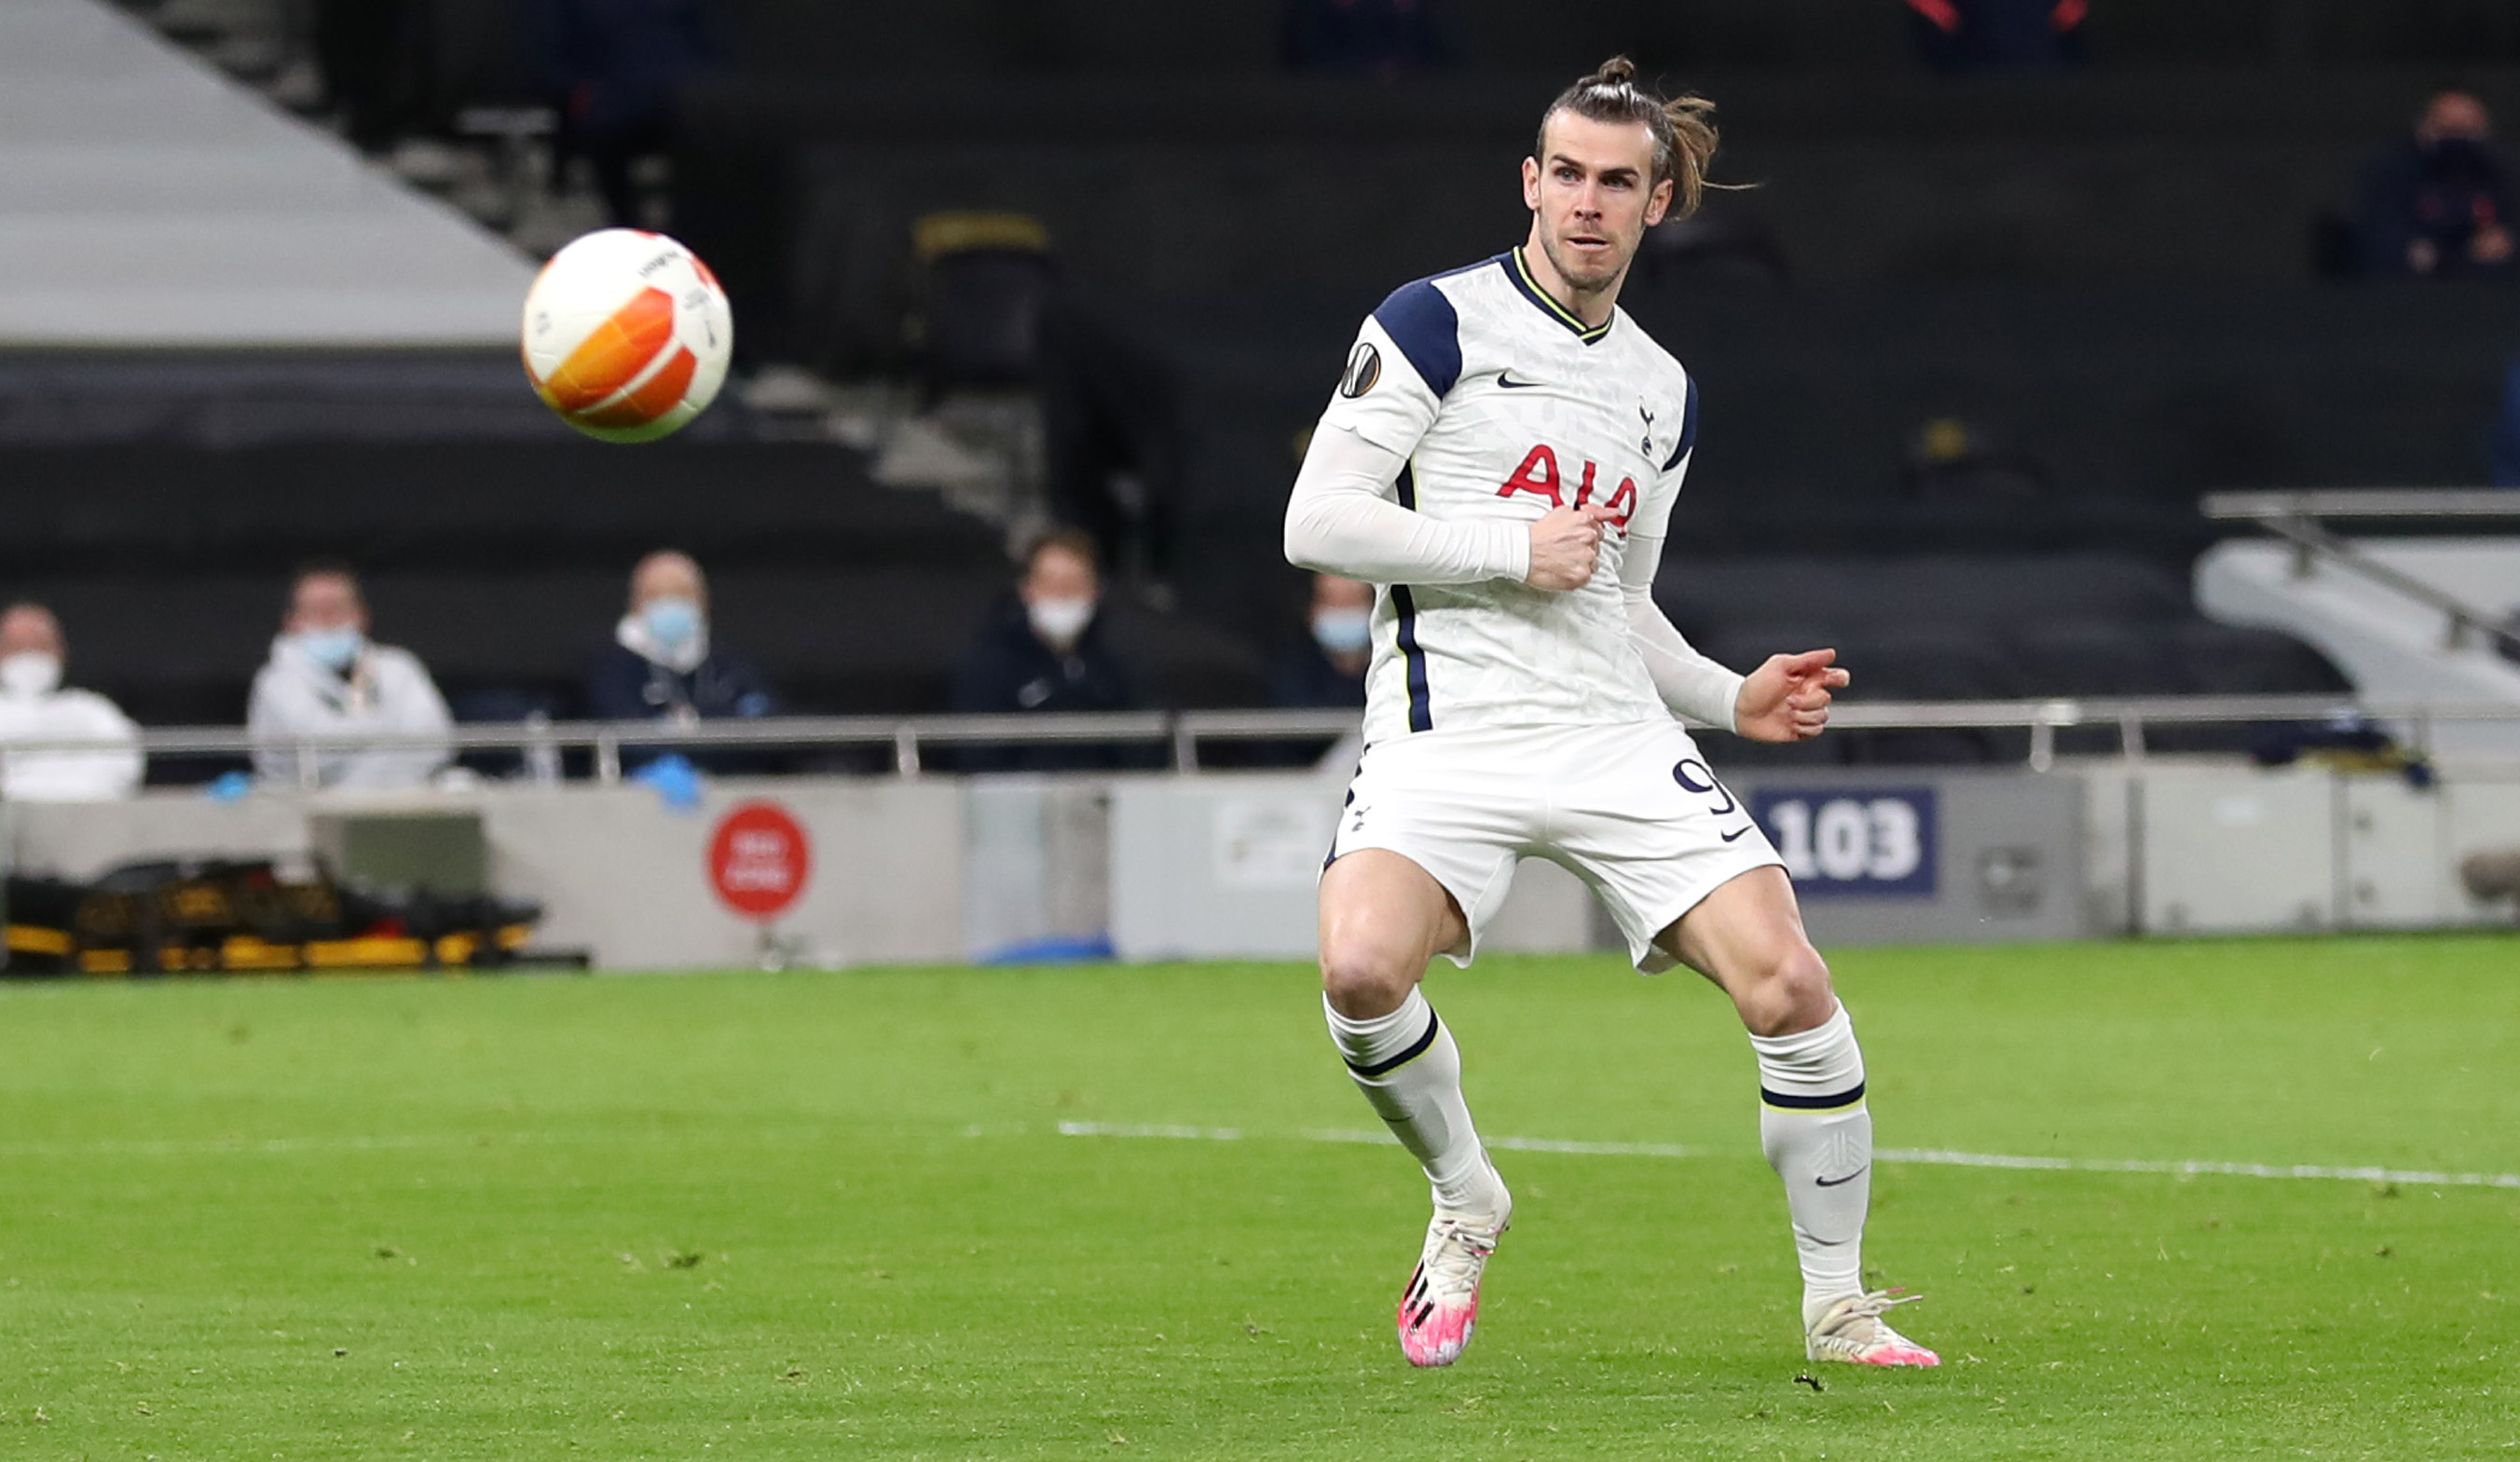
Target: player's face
[(1593, 197)]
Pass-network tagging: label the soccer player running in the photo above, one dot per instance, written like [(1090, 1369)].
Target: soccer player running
[(1500, 460)]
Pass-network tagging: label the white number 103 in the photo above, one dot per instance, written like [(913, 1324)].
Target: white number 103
[(1848, 840)]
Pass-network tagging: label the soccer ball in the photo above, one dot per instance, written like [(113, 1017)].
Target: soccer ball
[(627, 335)]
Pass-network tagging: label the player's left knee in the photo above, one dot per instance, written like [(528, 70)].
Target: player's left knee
[(1792, 992)]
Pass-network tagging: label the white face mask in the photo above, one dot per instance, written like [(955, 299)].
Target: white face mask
[(1060, 623), (1343, 631), (30, 673), (672, 621), (335, 648)]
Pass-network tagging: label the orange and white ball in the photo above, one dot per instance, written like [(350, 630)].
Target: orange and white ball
[(627, 335)]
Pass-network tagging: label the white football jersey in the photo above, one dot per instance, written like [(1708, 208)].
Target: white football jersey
[(1506, 405)]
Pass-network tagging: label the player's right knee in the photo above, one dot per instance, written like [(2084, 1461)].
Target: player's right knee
[(1364, 980), (1790, 993)]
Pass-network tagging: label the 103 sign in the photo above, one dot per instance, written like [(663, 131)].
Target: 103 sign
[(1840, 841)]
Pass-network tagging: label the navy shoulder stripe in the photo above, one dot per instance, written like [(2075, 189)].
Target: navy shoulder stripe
[(1421, 322), (1687, 428)]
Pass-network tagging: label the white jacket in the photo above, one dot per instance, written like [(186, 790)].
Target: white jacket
[(98, 776), (386, 690)]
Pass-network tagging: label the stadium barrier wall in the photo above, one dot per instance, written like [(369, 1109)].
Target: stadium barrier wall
[(923, 870), (617, 870)]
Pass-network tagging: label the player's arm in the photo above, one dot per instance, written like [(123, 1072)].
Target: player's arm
[(1785, 699), (1342, 517), (1341, 520), (1698, 689)]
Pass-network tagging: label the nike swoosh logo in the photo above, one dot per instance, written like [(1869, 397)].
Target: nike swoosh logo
[(1735, 833), (1506, 379), (1831, 1183)]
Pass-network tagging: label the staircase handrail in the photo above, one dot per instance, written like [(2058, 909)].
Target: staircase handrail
[(2295, 517)]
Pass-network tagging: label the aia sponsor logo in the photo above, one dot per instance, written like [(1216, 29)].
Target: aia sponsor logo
[(1541, 476)]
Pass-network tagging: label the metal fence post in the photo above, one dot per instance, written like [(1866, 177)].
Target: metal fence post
[(2131, 735)]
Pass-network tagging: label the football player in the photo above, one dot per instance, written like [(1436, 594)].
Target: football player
[(1500, 460)]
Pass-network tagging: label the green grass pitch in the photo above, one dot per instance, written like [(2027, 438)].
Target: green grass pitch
[(835, 1215)]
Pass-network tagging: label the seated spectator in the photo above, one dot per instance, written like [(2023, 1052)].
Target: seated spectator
[(1985, 36), (2438, 205), (663, 665), (35, 708), (1044, 650), (326, 676), (1326, 669)]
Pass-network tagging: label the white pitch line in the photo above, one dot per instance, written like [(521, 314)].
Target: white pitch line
[(1940, 1156)]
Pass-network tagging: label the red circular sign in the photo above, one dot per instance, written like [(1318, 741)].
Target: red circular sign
[(759, 859)]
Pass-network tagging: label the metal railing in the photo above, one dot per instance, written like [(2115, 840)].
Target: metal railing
[(2296, 519), (1181, 733), (905, 739)]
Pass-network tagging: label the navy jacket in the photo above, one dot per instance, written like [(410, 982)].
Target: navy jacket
[(1304, 679), (625, 685), (1009, 669), (2442, 193)]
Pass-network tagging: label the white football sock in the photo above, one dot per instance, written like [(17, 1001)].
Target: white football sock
[(1818, 1134), (1406, 1065)]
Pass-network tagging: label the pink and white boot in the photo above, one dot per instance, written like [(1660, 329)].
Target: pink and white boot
[(1852, 1330), (1441, 1306)]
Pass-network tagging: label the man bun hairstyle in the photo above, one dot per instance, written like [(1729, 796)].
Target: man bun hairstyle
[(1684, 136)]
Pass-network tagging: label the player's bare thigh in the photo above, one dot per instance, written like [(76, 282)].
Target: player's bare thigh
[(1384, 918), (1747, 937)]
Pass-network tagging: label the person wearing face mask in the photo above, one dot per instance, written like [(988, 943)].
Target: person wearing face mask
[(1046, 651), (327, 677), (2439, 206), (663, 665), (35, 708), (1326, 669)]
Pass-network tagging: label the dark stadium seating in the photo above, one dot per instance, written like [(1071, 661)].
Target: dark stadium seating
[(504, 565), (944, 40), (1942, 628)]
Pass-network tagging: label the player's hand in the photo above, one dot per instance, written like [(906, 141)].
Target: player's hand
[(1566, 546), (1788, 699)]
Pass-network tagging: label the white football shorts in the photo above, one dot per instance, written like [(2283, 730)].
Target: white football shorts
[(1631, 809)]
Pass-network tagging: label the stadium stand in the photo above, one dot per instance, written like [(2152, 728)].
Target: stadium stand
[(2112, 271), (151, 203), (488, 559)]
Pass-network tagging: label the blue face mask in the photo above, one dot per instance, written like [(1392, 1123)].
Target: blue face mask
[(671, 621), (1343, 631), (333, 648)]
